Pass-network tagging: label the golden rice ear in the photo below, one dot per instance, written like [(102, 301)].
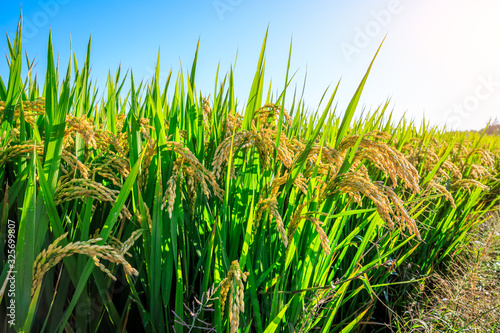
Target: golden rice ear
[(268, 116), (31, 110), (486, 157), (467, 183), (309, 216), (82, 126), (383, 197), (11, 152), (417, 156), (386, 158), (271, 205), (263, 140), (330, 162), (233, 286), (478, 172), (54, 253), (399, 212), (85, 188), (353, 183), (169, 196), (436, 187), (196, 174)]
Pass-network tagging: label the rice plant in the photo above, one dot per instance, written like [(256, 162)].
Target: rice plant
[(205, 215)]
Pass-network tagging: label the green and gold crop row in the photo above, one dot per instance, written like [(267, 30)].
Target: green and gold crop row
[(205, 215)]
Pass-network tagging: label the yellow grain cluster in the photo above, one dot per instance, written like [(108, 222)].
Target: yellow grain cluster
[(31, 110), (51, 256), (84, 188), (233, 285)]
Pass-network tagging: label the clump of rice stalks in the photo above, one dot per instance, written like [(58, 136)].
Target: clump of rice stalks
[(113, 140), (204, 176), (234, 286), (112, 167), (356, 183), (271, 205), (268, 202), (427, 159), (262, 141), (399, 212), (311, 217), (187, 168), (55, 253), (262, 136), (391, 161), (108, 142)]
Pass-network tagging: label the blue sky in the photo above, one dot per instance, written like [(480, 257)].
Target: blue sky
[(441, 59)]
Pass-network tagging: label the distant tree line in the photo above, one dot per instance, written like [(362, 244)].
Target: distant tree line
[(493, 128)]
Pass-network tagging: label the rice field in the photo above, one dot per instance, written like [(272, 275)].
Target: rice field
[(158, 209)]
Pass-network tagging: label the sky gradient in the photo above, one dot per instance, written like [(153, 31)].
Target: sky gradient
[(440, 59)]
